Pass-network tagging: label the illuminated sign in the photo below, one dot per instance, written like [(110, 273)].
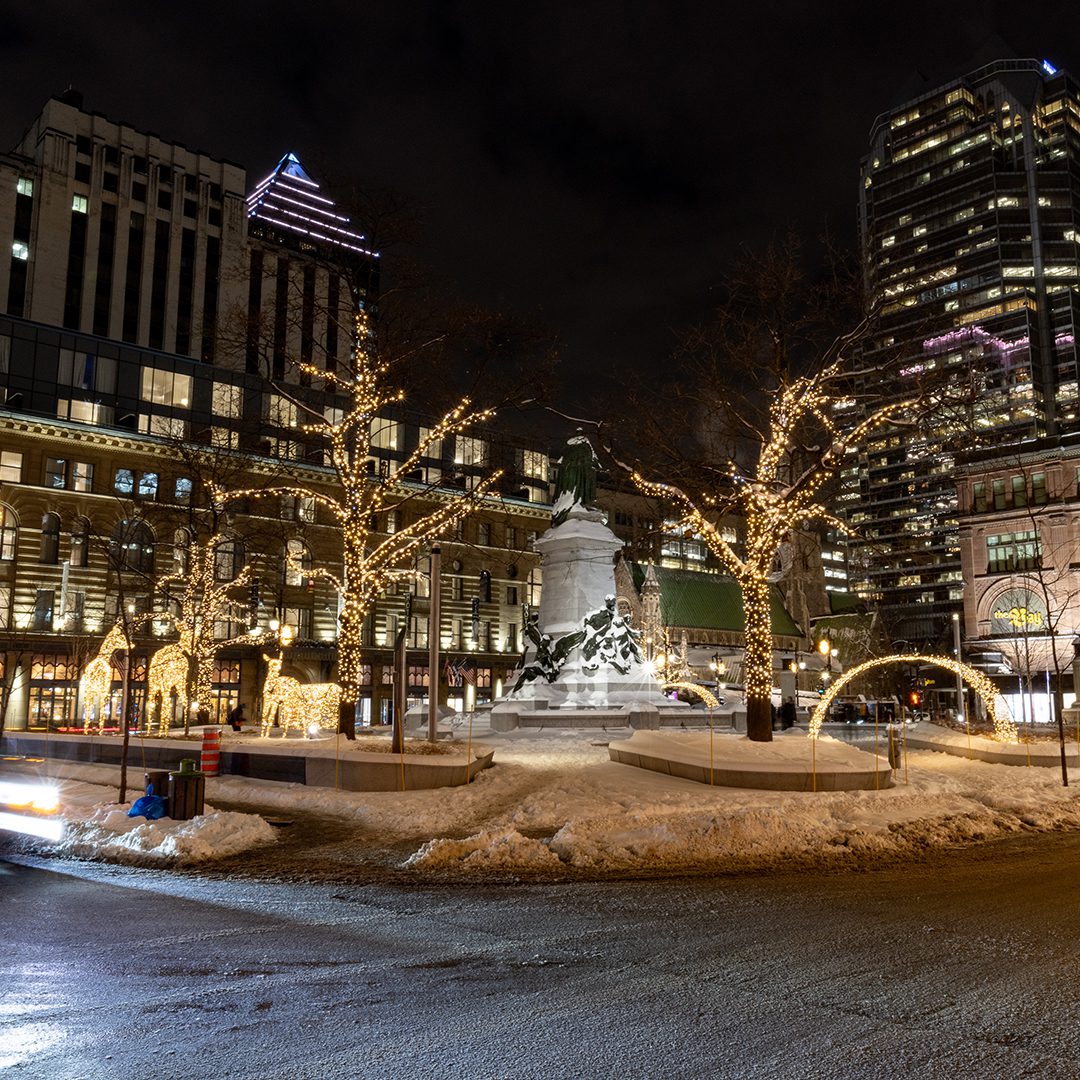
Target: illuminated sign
[(1018, 611), (1049, 68)]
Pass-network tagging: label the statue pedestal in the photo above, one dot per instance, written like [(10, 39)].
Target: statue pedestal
[(578, 584)]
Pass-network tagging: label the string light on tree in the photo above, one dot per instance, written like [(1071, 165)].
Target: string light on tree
[(184, 669), (371, 564), (801, 447)]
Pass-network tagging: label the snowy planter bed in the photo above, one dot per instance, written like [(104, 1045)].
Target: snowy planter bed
[(788, 763), (1046, 754)]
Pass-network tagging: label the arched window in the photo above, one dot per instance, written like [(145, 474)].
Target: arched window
[(9, 532), (132, 546), (296, 562), (228, 560), (50, 539), (485, 586), (80, 543)]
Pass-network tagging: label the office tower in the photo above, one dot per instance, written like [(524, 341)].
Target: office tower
[(969, 211)]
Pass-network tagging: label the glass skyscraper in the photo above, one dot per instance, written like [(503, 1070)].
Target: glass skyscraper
[(969, 209)]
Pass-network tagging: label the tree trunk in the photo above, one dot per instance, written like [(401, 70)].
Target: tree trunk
[(347, 715), (1059, 709), (757, 660)]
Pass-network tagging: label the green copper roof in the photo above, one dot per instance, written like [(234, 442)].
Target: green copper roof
[(841, 603), (708, 601)]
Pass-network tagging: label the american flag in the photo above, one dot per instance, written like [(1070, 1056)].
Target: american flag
[(467, 671)]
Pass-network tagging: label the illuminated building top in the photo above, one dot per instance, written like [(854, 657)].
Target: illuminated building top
[(288, 204)]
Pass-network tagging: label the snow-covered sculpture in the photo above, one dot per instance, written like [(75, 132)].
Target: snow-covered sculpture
[(581, 652)]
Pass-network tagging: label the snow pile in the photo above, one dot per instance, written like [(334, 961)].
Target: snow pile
[(606, 818), (108, 833), (554, 803), (789, 752), (497, 849)]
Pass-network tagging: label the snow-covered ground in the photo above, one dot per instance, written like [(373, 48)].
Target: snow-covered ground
[(554, 801)]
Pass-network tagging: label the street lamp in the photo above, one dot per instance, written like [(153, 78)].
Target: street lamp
[(719, 669)]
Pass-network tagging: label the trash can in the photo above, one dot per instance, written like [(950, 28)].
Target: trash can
[(187, 791), (157, 780)]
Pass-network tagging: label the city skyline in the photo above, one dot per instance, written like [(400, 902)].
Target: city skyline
[(596, 177)]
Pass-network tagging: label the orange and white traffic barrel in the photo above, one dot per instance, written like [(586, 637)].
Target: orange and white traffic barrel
[(211, 751)]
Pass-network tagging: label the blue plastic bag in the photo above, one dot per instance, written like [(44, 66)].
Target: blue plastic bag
[(150, 807)]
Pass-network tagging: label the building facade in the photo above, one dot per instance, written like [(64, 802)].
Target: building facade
[(1019, 528), (161, 327), (969, 212)]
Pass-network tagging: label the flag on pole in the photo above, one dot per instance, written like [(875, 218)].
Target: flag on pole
[(467, 671)]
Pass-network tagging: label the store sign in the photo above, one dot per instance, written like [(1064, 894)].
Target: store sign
[(1018, 611)]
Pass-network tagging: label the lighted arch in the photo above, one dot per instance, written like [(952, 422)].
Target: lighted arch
[(706, 695), (1004, 728)]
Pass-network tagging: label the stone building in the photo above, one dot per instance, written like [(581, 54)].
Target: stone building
[(1019, 527), (126, 393)]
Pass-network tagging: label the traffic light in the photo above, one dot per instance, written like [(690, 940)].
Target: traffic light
[(914, 699)]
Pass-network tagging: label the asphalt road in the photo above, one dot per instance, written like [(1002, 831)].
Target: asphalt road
[(965, 965)]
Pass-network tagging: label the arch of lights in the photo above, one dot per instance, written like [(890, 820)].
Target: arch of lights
[(707, 696), (1004, 728)]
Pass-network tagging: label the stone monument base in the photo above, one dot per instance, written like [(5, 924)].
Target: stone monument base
[(511, 715)]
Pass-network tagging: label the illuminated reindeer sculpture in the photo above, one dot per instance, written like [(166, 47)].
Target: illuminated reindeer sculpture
[(166, 676), (98, 677), (299, 702)]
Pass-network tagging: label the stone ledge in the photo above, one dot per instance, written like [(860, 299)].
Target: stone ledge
[(356, 772), (943, 740)]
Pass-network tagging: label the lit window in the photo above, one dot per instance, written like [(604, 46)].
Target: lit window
[(24, 186), (227, 400), (19, 250), (9, 533), (124, 482), (281, 412), (182, 489), (434, 448), (82, 476), (470, 451), (296, 563), (384, 433), (10, 466), (535, 464), (147, 485), (79, 204), (166, 387)]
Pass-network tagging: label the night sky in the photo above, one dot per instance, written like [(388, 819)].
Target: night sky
[(592, 166)]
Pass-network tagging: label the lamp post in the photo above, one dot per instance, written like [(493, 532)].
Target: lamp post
[(719, 669), (961, 706)]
